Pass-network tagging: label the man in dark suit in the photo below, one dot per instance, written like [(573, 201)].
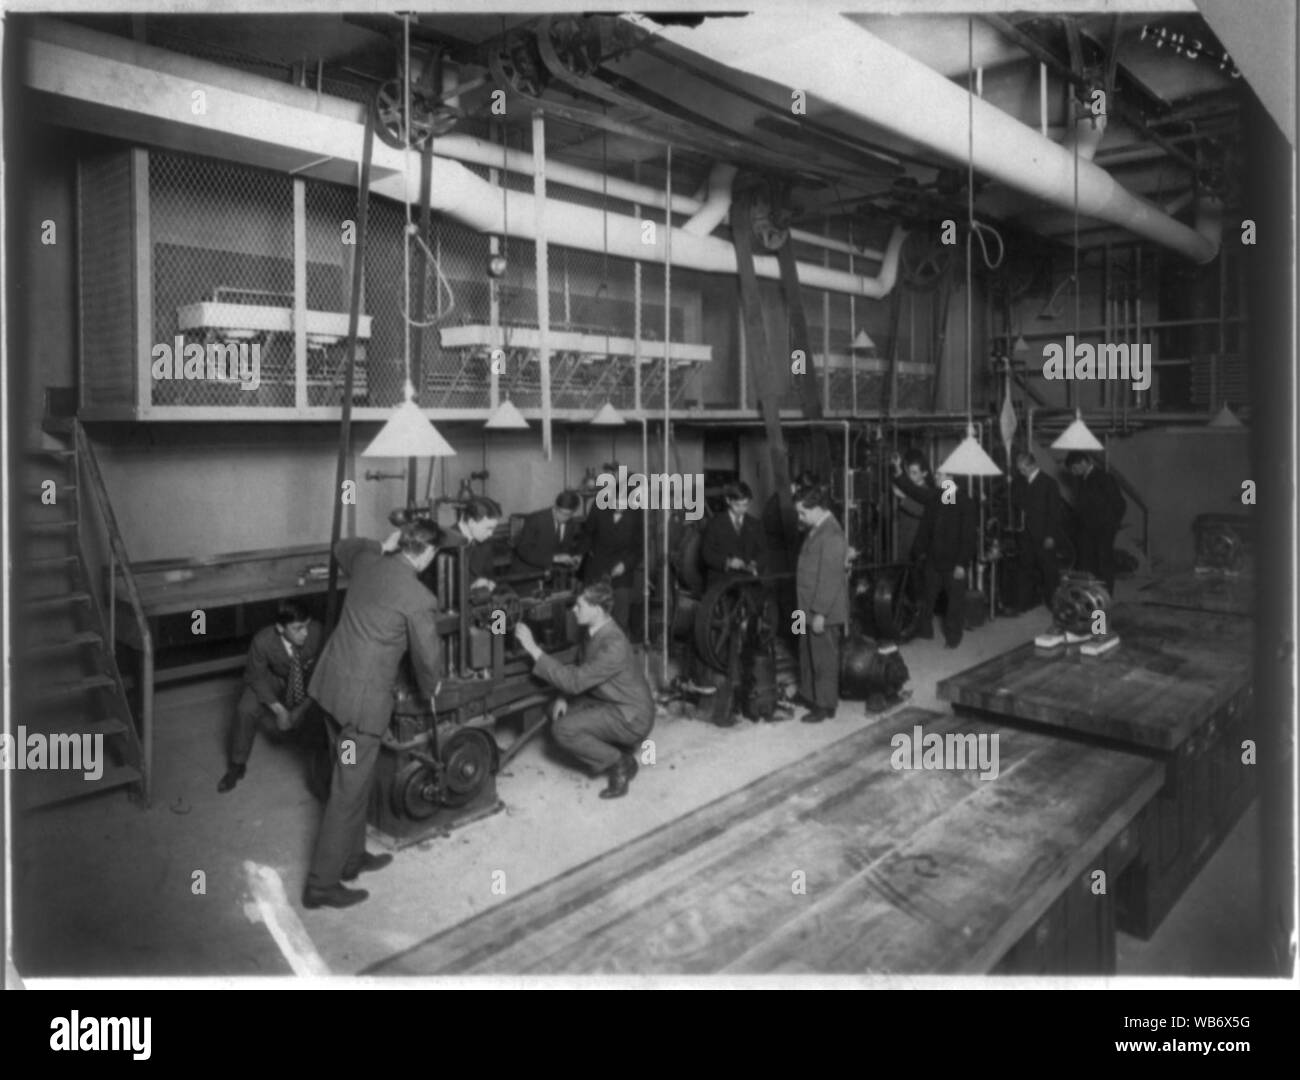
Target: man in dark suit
[(944, 546), (611, 709), (822, 595), (613, 542), (387, 612), (550, 538), (280, 661), (477, 522), (1038, 564), (780, 531), (1099, 510), (733, 542)]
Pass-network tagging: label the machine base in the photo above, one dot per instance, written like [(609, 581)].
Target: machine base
[(441, 823)]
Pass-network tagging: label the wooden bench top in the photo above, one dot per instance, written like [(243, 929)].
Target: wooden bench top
[(1173, 669), (181, 585), (915, 871)]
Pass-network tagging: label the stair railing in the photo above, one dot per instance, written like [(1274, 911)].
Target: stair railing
[(91, 482)]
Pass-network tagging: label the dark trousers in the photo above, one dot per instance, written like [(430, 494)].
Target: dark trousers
[(248, 714), (819, 666), (596, 733), (1096, 555), (1037, 575), (933, 582), (342, 837)]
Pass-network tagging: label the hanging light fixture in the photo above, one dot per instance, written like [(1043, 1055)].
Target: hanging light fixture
[(506, 417), (608, 416), (1021, 348), (863, 342), (970, 458), (1077, 436), (408, 434), (1225, 418)]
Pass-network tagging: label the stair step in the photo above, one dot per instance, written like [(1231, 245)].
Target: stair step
[(38, 788), (53, 603), (63, 691), (40, 527), (51, 452), (71, 723), (50, 563), (54, 648)]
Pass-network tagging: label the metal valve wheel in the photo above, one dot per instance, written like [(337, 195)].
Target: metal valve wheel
[(469, 758)]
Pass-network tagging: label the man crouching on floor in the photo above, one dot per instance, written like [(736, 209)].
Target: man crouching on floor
[(611, 709)]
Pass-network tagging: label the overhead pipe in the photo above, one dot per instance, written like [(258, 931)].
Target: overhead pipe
[(141, 94), (881, 84), (716, 204)]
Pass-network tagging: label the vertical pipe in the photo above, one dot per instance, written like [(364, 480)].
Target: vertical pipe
[(1042, 99), (299, 293), (668, 315), (494, 291), (646, 570), (541, 251), (636, 330)]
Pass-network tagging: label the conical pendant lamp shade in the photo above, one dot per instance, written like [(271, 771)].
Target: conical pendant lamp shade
[(1226, 418), (1020, 349), (863, 342), (506, 417), (607, 417), (1077, 436), (969, 459), (408, 434)]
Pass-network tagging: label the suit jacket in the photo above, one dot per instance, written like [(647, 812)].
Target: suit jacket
[(608, 543), (606, 671), (1100, 504), (820, 577), (947, 533), (266, 671), (387, 612), (1040, 499), (481, 557), (536, 545), (722, 542)]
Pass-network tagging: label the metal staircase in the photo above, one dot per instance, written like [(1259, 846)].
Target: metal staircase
[(74, 733)]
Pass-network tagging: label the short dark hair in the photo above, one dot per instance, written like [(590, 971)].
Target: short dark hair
[(478, 508), (418, 536), (289, 611), (737, 489), (915, 457), (813, 496), (1078, 457), (807, 478), (568, 500), (600, 594), (1025, 456)]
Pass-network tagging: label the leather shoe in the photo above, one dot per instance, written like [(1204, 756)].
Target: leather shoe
[(366, 864), (234, 774), (620, 775), (337, 896)]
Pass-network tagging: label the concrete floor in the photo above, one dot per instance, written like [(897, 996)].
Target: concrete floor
[(103, 888)]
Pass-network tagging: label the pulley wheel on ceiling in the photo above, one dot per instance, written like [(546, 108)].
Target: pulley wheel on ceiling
[(429, 117), (469, 758)]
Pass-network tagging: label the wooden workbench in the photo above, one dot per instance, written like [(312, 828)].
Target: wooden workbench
[(1179, 688), (905, 870)]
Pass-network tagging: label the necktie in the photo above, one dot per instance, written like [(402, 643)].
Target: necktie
[(559, 532), (296, 690)]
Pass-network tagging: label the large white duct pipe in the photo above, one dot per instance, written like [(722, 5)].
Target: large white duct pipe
[(148, 96), (716, 204), (884, 86)]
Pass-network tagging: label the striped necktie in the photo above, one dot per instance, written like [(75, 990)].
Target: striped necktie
[(296, 690)]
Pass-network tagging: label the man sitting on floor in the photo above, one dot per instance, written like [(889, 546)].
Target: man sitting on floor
[(280, 660), (611, 709)]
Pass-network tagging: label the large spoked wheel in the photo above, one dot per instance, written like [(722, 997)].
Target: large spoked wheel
[(469, 759), (429, 117), (895, 608), (725, 609)]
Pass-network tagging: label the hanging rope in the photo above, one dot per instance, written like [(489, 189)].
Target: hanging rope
[(970, 200), (406, 199)]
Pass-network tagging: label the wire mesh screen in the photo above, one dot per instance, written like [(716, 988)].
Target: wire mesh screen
[(331, 213), (225, 287)]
